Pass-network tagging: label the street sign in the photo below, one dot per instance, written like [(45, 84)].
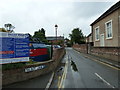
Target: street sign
[(14, 47), (35, 68)]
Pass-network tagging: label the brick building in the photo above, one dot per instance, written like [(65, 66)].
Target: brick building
[(52, 39)]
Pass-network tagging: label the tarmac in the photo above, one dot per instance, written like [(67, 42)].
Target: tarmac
[(105, 60)]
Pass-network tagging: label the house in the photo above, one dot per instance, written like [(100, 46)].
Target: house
[(106, 29)]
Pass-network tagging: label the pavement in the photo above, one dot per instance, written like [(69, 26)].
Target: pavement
[(34, 83)]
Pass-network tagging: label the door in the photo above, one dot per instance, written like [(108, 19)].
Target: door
[(102, 40)]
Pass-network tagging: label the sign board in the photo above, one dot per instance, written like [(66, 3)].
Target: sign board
[(35, 68), (14, 47)]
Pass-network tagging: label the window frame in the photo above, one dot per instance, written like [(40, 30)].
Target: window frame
[(106, 30), (98, 33)]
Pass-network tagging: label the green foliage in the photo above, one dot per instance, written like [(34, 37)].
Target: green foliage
[(77, 36), (66, 39), (3, 30), (60, 42), (69, 44), (49, 43), (12, 66), (30, 37), (40, 35)]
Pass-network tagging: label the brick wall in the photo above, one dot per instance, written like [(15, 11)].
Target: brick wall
[(81, 48), (16, 75), (111, 53)]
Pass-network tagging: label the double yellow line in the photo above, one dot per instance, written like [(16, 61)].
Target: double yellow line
[(62, 78), (107, 64)]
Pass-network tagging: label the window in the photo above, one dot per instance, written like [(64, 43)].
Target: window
[(108, 26), (97, 33)]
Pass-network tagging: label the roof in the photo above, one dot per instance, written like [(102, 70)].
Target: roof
[(109, 11), (54, 38), (89, 34)]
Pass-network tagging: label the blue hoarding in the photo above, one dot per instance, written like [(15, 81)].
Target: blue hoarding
[(14, 47)]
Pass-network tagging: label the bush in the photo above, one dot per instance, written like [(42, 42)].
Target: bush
[(12, 66), (69, 45)]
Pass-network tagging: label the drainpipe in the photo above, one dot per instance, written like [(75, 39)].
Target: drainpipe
[(119, 36)]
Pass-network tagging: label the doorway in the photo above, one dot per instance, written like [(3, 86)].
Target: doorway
[(102, 40)]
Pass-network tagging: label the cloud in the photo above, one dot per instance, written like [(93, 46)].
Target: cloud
[(30, 15)]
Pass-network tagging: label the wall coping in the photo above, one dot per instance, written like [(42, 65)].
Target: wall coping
[(39, 63), (106, 47)]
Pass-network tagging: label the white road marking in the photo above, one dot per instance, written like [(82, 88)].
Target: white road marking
[(50, 81), (104, 80)]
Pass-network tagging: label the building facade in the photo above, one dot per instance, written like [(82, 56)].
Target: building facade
[(89, 38), (106, 29), (53, 40)]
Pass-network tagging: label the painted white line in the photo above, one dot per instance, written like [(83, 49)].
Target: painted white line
[(104, 80), (50, 81)]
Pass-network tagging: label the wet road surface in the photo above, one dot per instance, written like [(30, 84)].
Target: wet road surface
[(82, 72), (78, 72)]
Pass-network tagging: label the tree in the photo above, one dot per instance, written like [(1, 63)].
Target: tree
[(76, 36), (40, 35), (2, 30), (30, 37), (9, 27), (42, 31)]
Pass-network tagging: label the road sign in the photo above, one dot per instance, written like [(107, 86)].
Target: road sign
[(14, 47)]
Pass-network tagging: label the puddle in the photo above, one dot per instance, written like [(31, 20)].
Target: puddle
[(74, 67)]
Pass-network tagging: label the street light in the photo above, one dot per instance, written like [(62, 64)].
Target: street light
[(56, 26)]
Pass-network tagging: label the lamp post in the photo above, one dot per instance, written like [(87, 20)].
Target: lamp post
[(56, 26)]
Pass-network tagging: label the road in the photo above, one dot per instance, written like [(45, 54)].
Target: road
[(81, 72)]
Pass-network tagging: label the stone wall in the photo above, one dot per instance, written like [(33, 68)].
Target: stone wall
[(81, 48), (112, 53), (17, 75)]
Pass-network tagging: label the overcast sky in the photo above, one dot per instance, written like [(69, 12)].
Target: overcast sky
[(30, 15)]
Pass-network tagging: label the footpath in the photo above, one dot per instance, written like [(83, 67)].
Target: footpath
[(104, 60)]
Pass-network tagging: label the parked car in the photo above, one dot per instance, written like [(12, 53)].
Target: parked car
[(56, 47)]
